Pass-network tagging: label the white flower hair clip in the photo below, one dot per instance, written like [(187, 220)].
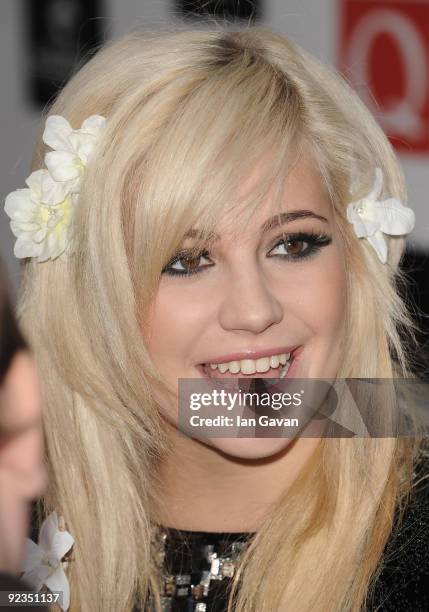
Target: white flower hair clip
[(42, 214), (46, 561), (372, 218)]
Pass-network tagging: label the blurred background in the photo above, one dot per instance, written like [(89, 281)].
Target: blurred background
[(381, 46)]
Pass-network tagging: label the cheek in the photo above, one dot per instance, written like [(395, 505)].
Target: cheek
[(176, 321), (330, 296), (318, 299)]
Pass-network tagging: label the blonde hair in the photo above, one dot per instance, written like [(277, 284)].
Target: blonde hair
[(183, 105)]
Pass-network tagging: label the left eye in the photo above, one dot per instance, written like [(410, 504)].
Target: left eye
[(295, 243), (187, 264)]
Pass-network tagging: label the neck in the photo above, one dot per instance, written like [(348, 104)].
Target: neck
[(206, 489)]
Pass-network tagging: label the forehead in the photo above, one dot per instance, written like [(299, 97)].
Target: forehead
[(303, 196)]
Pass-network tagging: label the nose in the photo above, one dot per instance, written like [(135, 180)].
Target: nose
[(249, 304)]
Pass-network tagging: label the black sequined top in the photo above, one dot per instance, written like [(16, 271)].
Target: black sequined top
[(199, 564), (199, 567)]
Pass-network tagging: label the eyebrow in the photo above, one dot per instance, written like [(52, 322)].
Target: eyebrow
[(269, 224)]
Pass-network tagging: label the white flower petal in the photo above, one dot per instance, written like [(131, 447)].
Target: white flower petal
[(395, 218), (378, 242), (19, 206), (20, 230), (84, 145), (53, 221), (24, 227), (75, 184), (35, 182), (33, 579), (57, 132), (62, 165), (359, 228), (54, 192), (47, 531), (24, 217), (93, 125), (40, 234), (16, 229), (24, 248), (58, 581), (359, 222), (371, 226), (62, 543), (45, 253)]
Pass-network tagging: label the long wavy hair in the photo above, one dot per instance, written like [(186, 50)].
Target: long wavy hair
[(190, 111)]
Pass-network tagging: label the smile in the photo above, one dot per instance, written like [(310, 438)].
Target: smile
[(274, 365)]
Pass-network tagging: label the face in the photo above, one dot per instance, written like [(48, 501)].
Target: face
[(22, 474), (255, 296)]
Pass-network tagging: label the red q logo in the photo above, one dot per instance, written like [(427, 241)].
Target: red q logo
[(384, 52)]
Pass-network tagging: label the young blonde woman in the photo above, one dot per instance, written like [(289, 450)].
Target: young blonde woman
[(215, 203)]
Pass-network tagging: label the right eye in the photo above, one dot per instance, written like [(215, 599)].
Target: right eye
[(186, 264)]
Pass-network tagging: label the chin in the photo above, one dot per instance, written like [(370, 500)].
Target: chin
[(249, 448)]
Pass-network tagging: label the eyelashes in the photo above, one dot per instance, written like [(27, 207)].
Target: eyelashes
[(188, 260)]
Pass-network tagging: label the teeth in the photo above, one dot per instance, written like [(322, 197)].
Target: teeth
[(284, 370), (250, 366), (234, 367), (263, 364), (274, 361)]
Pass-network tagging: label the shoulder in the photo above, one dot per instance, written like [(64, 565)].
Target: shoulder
[(402, 583)]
